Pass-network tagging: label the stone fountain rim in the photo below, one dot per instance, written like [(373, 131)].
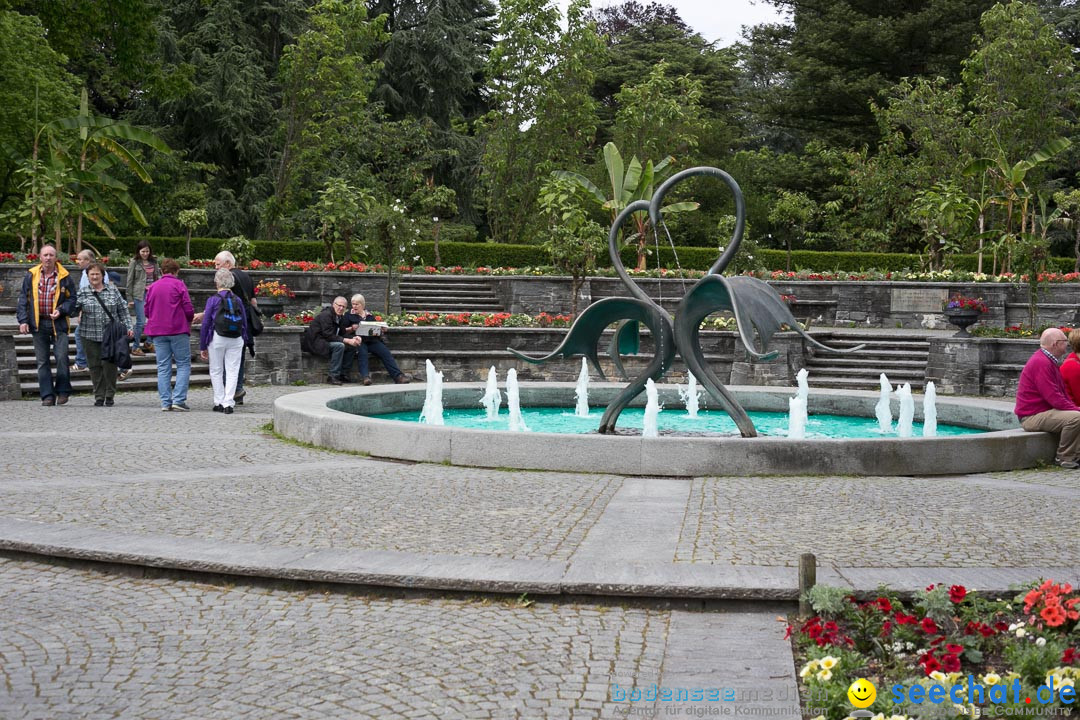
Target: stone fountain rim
[(317, 417)]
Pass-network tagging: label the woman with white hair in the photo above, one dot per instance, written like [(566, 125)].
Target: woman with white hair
[(221, 339)]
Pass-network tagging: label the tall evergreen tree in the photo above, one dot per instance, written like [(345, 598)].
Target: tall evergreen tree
[(218, 96), (840, 55)]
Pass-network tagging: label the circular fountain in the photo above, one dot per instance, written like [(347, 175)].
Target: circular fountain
[(340, 419)]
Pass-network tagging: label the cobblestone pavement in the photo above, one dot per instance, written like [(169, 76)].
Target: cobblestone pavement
[(83, 644), (134, 469)]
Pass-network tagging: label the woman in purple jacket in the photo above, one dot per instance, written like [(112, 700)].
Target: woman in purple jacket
[(168, 325)]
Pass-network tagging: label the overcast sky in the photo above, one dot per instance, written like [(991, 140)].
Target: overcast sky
[(720, 20)]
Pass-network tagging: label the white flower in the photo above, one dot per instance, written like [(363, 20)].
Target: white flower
[(829, 662), (1040, 642), (939, 676), (991, 678), (435, 219), (1020, 632), (824, 675)]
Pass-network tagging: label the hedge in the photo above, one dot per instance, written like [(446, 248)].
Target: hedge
[(473, 254)]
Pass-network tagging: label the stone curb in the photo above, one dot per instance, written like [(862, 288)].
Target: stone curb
[(488, 574)]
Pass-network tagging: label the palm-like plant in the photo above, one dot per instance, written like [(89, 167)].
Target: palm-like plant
[(629, 183)]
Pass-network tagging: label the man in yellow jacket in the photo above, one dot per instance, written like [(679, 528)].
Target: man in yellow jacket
[(46, 301)]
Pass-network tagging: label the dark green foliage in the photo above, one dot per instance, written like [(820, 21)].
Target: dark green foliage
[(842, 54)]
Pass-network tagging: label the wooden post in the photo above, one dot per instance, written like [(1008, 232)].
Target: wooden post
[(807, 580)]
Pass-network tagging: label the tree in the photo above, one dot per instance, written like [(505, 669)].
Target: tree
[(391, 238), (793, 211), (190, 220), (35, 86), (1068, 203), (108, 44), (945, 212), (217, 98), (437, 202), (340, 209), (571, 239), (629, 183), (660, 116), (327, 121), (842, 54)]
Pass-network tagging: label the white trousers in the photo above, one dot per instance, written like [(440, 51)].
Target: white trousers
[(225, 356)]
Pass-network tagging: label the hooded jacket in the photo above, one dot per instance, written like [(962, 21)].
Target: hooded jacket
[(27, 309)]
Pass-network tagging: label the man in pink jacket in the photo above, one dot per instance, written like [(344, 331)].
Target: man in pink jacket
[(168, 324), (1041, 402)]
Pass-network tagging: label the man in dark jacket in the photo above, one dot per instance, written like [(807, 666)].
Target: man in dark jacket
[(46, 301), (321, 338)]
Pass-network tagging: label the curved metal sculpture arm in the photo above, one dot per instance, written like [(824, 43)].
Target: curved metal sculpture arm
[(613, 249), (655, 214), (584, 336)]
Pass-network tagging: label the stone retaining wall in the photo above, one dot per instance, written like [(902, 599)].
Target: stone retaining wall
[(862, 304)]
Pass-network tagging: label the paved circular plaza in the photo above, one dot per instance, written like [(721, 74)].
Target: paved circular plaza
[(201, 491)]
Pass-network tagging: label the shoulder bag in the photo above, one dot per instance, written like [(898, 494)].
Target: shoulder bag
[(114, 341)]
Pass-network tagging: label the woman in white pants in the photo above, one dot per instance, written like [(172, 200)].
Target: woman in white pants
[(221, 340)]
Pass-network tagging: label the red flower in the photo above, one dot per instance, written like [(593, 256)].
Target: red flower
[(886, 628), (950, 663), (954, 649), (1001, 626), (1053, 615), (884, 604), (1070, 656), (928, 626), (957, 593), (902, 619), (930, 664)]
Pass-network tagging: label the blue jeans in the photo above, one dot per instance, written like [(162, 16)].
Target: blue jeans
[(80, 354), (140, 321), (378, 349), (168, 348), (46, 345), (337, 359)]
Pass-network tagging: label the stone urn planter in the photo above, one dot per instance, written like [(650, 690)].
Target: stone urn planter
[(963, 319), (269, 308)]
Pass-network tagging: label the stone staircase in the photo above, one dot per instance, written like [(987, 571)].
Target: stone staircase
[(441, 294), (143, 370), (903, 359)]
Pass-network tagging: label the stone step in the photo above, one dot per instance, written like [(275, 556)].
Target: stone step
[(861, 362), (80, 382), (857, 383), (870, 374), (451, 292)]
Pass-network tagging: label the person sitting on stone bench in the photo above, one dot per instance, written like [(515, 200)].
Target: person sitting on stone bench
[(322, 338), (1042, 404), (373, 344)]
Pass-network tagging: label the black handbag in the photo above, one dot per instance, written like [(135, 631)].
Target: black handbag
[(114, 340), (254, 320)]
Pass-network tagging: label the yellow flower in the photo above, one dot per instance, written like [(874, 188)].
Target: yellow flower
[(939, 677), (991, 678), (805, 672), (829, 662), (824, 675)]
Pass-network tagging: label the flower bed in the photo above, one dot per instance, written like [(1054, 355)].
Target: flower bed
[(955, 276), (946, 636), (503, 319)]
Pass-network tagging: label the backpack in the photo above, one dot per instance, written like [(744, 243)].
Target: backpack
[(229, 320)]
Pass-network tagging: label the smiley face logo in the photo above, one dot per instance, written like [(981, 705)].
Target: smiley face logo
[(862, 693)]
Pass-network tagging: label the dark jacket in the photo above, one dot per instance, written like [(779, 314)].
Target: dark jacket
[(26, 311), (322, 331)]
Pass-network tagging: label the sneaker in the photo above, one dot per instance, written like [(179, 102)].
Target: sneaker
[(109, 402), (1068, 464), (49, 401), (180, 407), (166, 408), (99, 403), (219, 408), (239, 397), (333, 379), (138, 352), (228, 411), (402, 379), (366, 380), (61, 400), (125, 374), (79, 368)]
